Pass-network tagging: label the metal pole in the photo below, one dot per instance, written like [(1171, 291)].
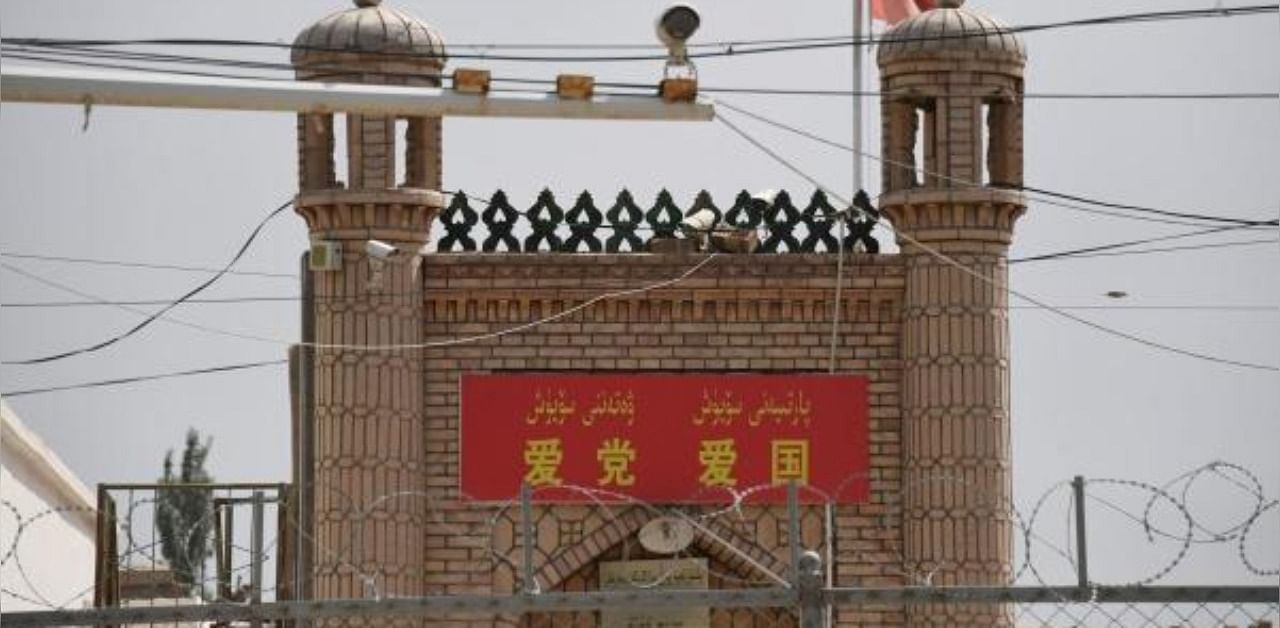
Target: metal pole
[(859, 19), (1082, 552), (306, 434), (793, 529), (228, 541), (99, 88), (219, 559), (829, 560), (813, 607), (526, 537), (255, 558)]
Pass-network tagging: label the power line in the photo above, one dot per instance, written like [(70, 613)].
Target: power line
[(1035, 191), (147, 265), (1069, 255), (1175, 308), (144, 378), (277, 299), (1147, 210), (1079, 253), (134, 310), (390, 347), (143, 302), (1083, 252), (159, 313), (728, 49), (59, 54), (950, 261), (1170, 249)]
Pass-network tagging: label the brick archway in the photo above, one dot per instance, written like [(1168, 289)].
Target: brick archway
[(713, 539)]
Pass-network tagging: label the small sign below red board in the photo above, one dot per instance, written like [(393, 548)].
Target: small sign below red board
[(664, 438)]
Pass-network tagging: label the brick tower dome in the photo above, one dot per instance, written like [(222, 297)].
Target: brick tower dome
[(950, 30), (370, 43), (952, 176), (365, 444)]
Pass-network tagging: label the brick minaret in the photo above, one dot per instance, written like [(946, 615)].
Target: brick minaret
[(953, 84), (367, 439)]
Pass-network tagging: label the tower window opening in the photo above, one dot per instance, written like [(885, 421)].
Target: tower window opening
[(986, 153), (1001, 162), (340, 151), (315, 159), (926, 149), (918, 124), (405, 156)]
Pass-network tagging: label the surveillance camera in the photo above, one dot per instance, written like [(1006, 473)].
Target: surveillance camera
[(678, 23), (380, 250), (700, 222), (675, 26)]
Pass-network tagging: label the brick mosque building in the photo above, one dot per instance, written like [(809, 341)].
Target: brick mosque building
[(386, 450)]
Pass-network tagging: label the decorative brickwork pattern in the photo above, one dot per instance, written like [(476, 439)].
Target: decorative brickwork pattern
[(368, 444), (959, 96), (739, 313)]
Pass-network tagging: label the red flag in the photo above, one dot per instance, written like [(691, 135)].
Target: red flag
[(894, 11)]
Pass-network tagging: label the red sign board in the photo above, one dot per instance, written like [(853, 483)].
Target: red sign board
[(664, 438)]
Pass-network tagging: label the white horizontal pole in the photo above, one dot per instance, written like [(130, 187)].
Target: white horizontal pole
[(81, 87)]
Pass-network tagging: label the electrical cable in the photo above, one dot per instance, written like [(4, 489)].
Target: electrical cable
[(151, 318), (950, 261), (1080, 252), (146, 265), (395, 347), (1035, 191), (524, 326), (1170, 249), (729, 50), (1147, 210), (133, 310), (227, 368), (278, 299), (57, 55)]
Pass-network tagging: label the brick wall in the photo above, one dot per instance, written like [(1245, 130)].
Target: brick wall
[(738, 313)]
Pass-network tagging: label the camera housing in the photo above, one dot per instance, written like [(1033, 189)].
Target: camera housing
[(674, 28), (378, 249)]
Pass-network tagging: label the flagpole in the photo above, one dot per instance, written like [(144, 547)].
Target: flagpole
[(859, 21)]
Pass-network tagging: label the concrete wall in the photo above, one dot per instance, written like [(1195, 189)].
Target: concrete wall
[(46, 525)]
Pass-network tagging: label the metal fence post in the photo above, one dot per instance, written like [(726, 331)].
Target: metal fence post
[(813, 608), (1082, 550), (793, 529), (527, 537), (255, 556)]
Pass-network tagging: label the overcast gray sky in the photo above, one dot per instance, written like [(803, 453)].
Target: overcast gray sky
[(185, 187)]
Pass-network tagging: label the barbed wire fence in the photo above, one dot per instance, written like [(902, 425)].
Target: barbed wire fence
[(755, 555)]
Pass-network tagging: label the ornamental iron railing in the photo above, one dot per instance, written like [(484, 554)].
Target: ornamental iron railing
[(470, 224)]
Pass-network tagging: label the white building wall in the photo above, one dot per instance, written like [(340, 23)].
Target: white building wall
[(46, 525)]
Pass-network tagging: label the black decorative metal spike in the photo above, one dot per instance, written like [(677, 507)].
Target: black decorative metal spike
[(545, 216), (458, 219), (500, 218), (665, 217), (584, 220), (781, 219), (819, 218), (746, 213), (625, 217), (862, 220)]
